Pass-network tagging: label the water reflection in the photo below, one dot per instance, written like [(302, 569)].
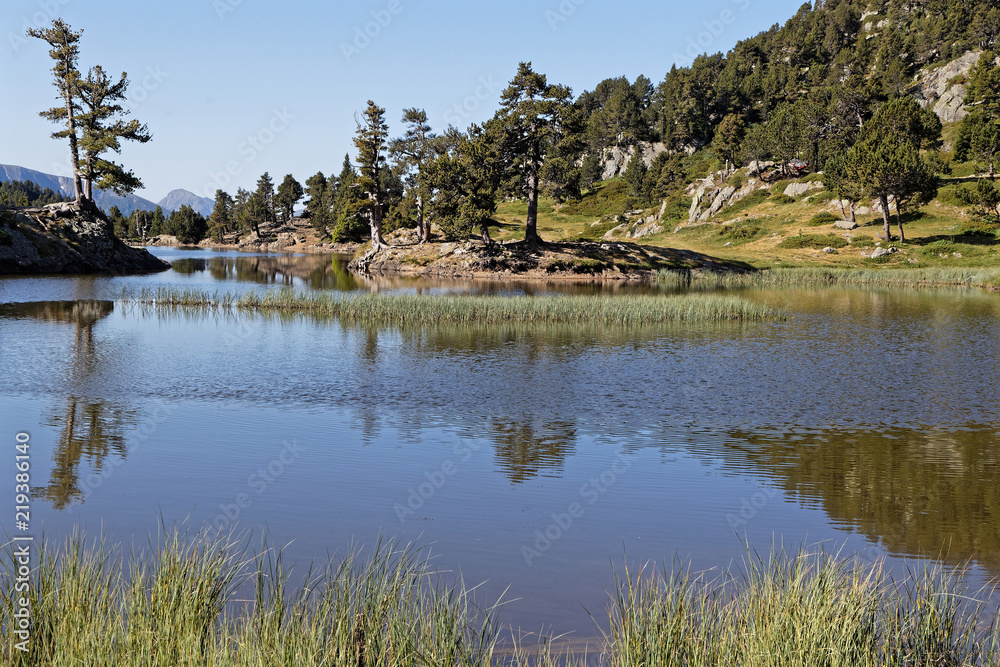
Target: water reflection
[(928, 492), (530, 448), (89, 429), (312, 271)]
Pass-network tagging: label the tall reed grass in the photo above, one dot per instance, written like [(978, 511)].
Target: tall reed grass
[(417, 309), (176, 605), (811, 277)]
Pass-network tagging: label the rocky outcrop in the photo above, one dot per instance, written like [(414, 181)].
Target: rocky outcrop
[(943, 88), (710, 197), (616, 159), (62, 238)]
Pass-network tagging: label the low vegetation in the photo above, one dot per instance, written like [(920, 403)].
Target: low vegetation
[(811, 277), (196, 600), (402, 310)]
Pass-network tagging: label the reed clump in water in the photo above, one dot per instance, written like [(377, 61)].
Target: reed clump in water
[(403, 309), (176, 605)]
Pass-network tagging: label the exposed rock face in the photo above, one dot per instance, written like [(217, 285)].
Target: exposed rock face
[(939, 89), (709, 198), (61, 238), (616, 160)]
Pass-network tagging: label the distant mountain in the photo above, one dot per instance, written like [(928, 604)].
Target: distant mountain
[(177, 198), (64, 184)]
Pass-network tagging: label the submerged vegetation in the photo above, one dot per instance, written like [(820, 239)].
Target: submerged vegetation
[(403, 309), (213, 602), (811, 277)]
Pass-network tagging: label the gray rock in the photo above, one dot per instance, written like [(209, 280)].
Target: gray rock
[(935, 87), (882, 252), (828, 250), (845, 224), (797, 189)]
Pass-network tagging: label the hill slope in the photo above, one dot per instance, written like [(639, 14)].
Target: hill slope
[(64, 184)]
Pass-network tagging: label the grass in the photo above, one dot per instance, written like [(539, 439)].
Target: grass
[(179, 604), (422, 310), (812, 276), (817, 241)]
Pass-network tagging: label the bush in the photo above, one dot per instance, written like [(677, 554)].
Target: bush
[(742, 231), (823, 218), (862, 242), (738, 180), (752, 199), (813, 241), (782, 199), (951, 195)]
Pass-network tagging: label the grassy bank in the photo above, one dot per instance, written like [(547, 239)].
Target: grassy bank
[(811, 277), (176, 606), (421, 310)]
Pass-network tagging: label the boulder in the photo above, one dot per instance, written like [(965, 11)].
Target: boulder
[(882, 252), (798, 189), (845, 224)]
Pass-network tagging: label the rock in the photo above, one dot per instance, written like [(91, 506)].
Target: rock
[(616, 159), (797, 189), (829, 250), (756, 168), (63, 238), (882, 252), (936, 88), (845, 224), (649, 228), (617, 231)]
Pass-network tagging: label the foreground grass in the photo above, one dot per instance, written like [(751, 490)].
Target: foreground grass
[(809, 277), (416, 309), (175, 606)]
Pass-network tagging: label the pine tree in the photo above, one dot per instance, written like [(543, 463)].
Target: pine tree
[(729, 137), (530, 121), (318, 204), (415, 149), (370, 141), (65, 52), (103, 130), (220, 222), (289, 193)]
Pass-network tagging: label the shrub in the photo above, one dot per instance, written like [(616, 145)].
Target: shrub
[(782, 199), (738, 180), (742, 231), (823, 218), (862, 242), (813, 241), (752, 199)]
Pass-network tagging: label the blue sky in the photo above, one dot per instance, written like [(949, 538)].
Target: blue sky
[(233, 88)]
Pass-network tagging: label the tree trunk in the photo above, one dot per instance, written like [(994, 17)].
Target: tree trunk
[(885, 217), (422, 232), (899, 223), (531, 222), (375, 223), (74, 153), (843, 211), (853, 217), (484, 230)]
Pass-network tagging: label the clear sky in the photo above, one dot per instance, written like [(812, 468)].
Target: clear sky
[(233, 88)]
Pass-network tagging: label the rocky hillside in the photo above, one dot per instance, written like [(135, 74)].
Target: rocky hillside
[(61, 238)]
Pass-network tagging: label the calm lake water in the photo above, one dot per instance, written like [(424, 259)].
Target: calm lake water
[(532, 459)]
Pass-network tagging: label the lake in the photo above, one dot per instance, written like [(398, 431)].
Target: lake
[(533, 459)]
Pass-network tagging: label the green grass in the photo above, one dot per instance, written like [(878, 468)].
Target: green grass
[(195, 600), (812, 276), (424, 310), (816, 241)]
